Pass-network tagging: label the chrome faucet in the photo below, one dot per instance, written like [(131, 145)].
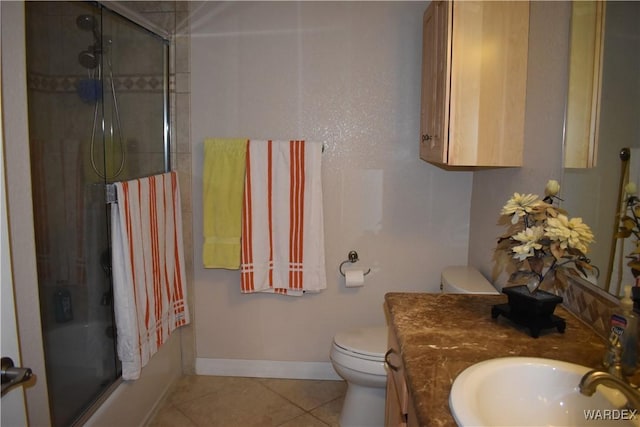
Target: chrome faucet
[(613, 358), (614, 378), (592, 379)]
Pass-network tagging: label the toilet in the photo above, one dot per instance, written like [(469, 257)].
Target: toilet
[(357, 355)]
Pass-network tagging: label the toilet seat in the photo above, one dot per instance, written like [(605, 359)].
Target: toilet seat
[(343, 353), (363, 343), (365, 370), (361, 350)]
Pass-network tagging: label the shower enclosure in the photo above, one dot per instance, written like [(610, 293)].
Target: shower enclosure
[(98, 97)]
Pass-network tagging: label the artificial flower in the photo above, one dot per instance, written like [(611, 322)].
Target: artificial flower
[(570, 233), (630, 188), (542, 237), (552, 188), (530, 239), (630, 225), (520, 205)]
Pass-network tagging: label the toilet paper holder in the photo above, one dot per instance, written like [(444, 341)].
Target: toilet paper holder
[(353, 257)]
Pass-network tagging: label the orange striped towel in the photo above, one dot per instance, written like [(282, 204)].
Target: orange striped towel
[(149, 282), (282, 223)]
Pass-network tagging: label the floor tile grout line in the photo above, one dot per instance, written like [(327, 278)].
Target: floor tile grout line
[(302, 415), (186, 415), (341, 398), (306, 411), (319, 419), (284, 397), (169, 404), (254, 381), (207, 393), (296, 404), (263, 384)]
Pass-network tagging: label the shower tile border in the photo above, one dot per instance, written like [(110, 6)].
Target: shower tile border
[(134, 83)]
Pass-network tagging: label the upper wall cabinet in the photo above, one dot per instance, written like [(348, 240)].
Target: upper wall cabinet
[(474, 76)]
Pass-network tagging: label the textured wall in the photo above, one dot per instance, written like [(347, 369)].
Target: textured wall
[(346, 74), (544, 120)]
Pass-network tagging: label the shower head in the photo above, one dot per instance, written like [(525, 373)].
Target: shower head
[(89, 58), (86, 22), (89, 23)]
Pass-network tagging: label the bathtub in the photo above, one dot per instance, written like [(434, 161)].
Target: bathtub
[(81, 364), (81, 346)]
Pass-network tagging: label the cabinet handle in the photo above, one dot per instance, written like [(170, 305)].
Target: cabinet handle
[(386, 360), (426, 138)]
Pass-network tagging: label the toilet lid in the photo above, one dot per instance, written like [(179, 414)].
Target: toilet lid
[(466, 280), (367, 341)]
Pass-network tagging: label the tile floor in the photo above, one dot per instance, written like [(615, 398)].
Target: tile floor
[(210, 401)]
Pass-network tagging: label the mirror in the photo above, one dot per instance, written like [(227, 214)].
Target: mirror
[(605, 118), (585, 71)]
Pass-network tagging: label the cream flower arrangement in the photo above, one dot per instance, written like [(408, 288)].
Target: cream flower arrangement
[(540, 238)]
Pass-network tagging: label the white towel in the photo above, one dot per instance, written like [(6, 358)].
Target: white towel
[(282, 224), (149, 282)]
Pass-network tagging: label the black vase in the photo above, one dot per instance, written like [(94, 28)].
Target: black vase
[(532, 310)]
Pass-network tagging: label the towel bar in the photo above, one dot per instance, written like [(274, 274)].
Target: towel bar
[(353, 257), (110, 193)]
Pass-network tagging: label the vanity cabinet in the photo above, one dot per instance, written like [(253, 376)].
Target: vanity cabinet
[(435, 337), (474, 75), (399, 411)]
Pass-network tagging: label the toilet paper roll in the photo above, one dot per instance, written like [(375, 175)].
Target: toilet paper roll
[(354, 278)]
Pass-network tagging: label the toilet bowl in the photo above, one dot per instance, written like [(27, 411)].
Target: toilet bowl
[(358, 355)]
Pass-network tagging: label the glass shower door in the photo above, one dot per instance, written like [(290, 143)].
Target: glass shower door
[(97, 92), (134, 68)]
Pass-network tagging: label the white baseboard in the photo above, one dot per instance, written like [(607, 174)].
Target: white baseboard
[(266, 369)]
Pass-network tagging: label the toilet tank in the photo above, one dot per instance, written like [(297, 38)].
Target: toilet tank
[(465, 280)]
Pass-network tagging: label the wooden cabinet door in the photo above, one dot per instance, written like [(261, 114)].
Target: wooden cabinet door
[(394, 415), (434, 116), (474, 75), (489, 52), (397, 392)]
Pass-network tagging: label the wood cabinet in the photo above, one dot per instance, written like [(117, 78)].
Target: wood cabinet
[(399, 410), (474, 75)]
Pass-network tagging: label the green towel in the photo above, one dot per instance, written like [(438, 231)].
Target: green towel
[(222, 194)]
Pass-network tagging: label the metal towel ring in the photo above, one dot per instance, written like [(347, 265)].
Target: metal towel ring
[(353, 257)]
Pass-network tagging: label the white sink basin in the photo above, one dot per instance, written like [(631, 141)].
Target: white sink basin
[(525, 391)]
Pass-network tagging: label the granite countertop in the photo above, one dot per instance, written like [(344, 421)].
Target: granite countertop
[(440, 335)]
